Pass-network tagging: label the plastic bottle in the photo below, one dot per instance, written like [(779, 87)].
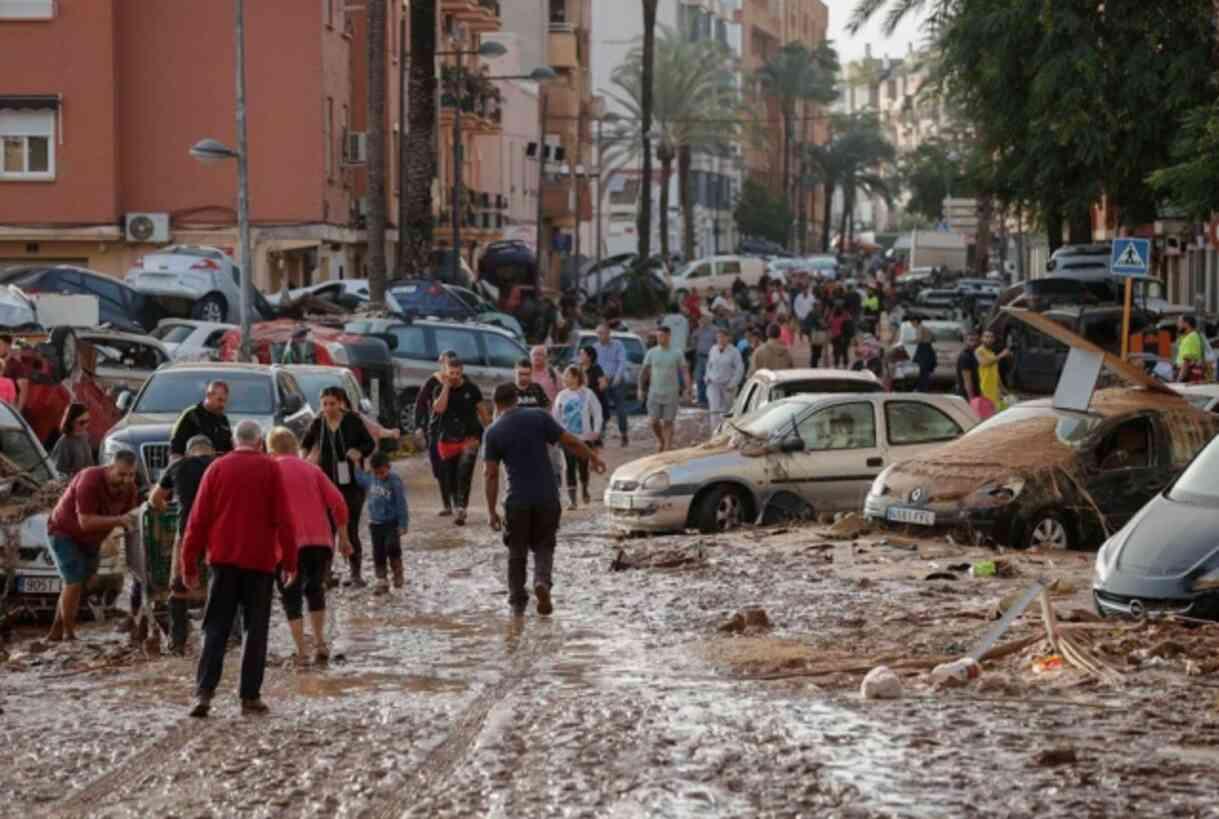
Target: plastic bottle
[(957, 672)]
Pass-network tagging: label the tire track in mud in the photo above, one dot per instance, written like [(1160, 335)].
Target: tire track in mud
[(162, 752), (441, 761)]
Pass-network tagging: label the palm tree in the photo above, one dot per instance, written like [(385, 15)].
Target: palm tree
[(859, 158), (647, 74), (377, 216), (696, 107), (418, 145), (793, 76)]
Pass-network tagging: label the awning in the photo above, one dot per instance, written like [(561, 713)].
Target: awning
[(30, 102)]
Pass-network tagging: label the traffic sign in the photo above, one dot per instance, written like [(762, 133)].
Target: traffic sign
[(1131, 256)]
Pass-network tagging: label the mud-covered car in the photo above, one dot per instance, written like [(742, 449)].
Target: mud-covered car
[(1166, 559), (1036, 476), (26, 565), (765, 386), (795, 457)]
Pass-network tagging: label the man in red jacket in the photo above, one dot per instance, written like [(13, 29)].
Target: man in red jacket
[(240, 519)]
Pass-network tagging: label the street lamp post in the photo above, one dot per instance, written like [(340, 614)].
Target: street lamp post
[(212, 150)]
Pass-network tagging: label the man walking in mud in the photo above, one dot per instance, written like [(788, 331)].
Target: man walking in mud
[(241, 520), (661, 379), (520, 439)]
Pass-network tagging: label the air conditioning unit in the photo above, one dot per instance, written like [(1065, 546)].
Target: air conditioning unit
[(355, 149), (151, 228)]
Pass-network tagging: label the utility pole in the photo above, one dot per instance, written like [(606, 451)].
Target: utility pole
[(458, 156), (401, 139), (575, 176), (243, 191), (541, 257), (600, 197)]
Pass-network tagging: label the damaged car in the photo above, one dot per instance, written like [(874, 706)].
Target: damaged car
[(1166, 559), (795, 457), (1037, 476)]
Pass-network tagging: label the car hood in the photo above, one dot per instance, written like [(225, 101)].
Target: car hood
[(1167, 539), (694, 463), (144, 427)]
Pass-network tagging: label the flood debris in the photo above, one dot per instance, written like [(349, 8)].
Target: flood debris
[(1055, 757), (747, 621), (666, 559), (881, 683), (849, 527)]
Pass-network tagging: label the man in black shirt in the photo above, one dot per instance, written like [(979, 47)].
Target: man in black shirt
[(528, 394), (205, 418), (967, 368), (182, 481), (458, 431)]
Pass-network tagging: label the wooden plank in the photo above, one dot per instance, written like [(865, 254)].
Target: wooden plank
[(1130, 372)]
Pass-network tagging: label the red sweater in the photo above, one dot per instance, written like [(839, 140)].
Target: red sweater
[(241, 516), (312, 501)]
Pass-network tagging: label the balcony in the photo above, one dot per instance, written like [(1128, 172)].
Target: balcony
[(563, 49), (559, 202), (568, 15), (562, 102), (489, 17), (467, 12)]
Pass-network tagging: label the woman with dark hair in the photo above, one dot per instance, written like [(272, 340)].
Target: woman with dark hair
[(72, 451), (595, 380), (338, 442)]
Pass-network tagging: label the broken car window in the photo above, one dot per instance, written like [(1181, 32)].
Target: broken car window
[(848, 426), (911, 422)]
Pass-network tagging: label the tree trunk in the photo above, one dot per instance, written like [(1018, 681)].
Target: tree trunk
[(377, 206), (1080, 228), (419, 143), (789, 132), (801, 210), (644, 225), (827, 226), (665, 156), (684, 160), (1052, 215), (848, 195), (985, 212)]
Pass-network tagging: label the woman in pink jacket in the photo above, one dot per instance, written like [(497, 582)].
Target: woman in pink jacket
[(318, 509)]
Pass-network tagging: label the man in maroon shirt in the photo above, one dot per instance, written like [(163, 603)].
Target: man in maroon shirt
[(98, 500), (240, 519)]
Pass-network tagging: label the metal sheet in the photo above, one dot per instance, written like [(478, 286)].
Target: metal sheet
[(1078, 380)]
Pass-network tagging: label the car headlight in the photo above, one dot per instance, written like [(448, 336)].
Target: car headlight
[(1208, 581), (111, 447), (879, 486), (657, 482)]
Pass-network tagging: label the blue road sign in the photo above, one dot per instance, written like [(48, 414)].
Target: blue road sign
[(1131, 256)]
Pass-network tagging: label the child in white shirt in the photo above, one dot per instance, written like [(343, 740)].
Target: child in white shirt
[(578, 411)]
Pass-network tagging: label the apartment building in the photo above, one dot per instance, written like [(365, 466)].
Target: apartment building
[(715, 179), (768, 26)]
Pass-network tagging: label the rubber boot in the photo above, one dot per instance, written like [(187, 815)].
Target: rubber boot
[(399, 576)]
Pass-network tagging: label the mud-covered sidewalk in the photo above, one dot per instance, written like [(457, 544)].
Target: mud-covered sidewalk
[(641, 696)]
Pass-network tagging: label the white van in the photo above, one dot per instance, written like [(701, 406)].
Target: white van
[(717, 273)]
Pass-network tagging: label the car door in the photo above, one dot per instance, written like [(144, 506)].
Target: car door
[(913, 427), (1127, 467), (414, 355), (726, 272), (841, 458), (502, 355)]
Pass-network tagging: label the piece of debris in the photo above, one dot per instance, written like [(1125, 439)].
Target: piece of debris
[(754, 618), (999, 683), (956, 673), (941, 576), (1054, 757), (1044, 665), (881, 683), (983, 568), (849, 527)]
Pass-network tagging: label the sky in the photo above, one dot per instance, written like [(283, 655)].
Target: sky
[(852, 48)]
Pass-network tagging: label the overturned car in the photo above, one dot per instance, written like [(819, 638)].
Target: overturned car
[(1037, 476)]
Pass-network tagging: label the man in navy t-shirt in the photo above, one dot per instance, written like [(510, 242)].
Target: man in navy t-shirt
[(519, 439)]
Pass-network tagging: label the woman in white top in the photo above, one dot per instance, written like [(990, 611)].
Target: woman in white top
[(578, 411)]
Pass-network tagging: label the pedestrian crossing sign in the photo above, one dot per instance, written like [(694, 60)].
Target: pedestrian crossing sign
[(1131, 256)]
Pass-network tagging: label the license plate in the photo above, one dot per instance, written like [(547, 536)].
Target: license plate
[(619, 500), (919, 517), (39, 585)]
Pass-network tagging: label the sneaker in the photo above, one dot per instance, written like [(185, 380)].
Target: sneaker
[(460, 517), (254, 708), (626, 441), (572, 506), (587, 500), (202, 707), (445, 513), (381, 587), (543, 594), (357, 581), (399, 574), (518, 609)]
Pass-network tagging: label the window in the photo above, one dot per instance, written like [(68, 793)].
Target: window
[(104, 289), (700, 271), (329, 137), (911, 422), (730, 268), (412, 343), (27, 9), (462, 342), (173, 333), (1127, 447), (27, 144), (503, 352), (848, 426)]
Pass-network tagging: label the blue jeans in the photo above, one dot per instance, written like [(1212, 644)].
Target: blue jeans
[(700, 370), (616, 395)]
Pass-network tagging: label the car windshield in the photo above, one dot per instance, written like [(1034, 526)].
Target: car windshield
[(1072, 428), (1197, 483), (775, 419), (173, 333), (172, 392)]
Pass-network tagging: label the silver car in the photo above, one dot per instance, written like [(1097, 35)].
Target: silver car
[(799, 456)]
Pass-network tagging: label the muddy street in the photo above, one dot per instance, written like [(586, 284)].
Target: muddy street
[(629, 701)]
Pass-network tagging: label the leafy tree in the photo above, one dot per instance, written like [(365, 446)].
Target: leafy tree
[(1192, 181), (930, 173), (796, 75), (858, 158), (761, 214), (695, 106)]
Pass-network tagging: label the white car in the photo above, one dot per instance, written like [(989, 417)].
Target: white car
[(348, 293), (191, 280), (1203, 396), (718, 273), (190, 340)]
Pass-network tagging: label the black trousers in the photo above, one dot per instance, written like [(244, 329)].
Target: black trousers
[(434, 459), (353, 495), (312, 566), (386, 545), (575, 465), (530, 529), (456, 474), (231, 589), (840, 345)]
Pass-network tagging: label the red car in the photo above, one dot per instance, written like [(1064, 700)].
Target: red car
[(61, 371)]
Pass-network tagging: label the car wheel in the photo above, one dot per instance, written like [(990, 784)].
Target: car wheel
[(64, 343), (406, 413), (720, 510), (1048, 530), (211, 307)]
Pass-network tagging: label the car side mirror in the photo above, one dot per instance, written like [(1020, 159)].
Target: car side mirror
[(124, 401), (292, 405), (791, 445)]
